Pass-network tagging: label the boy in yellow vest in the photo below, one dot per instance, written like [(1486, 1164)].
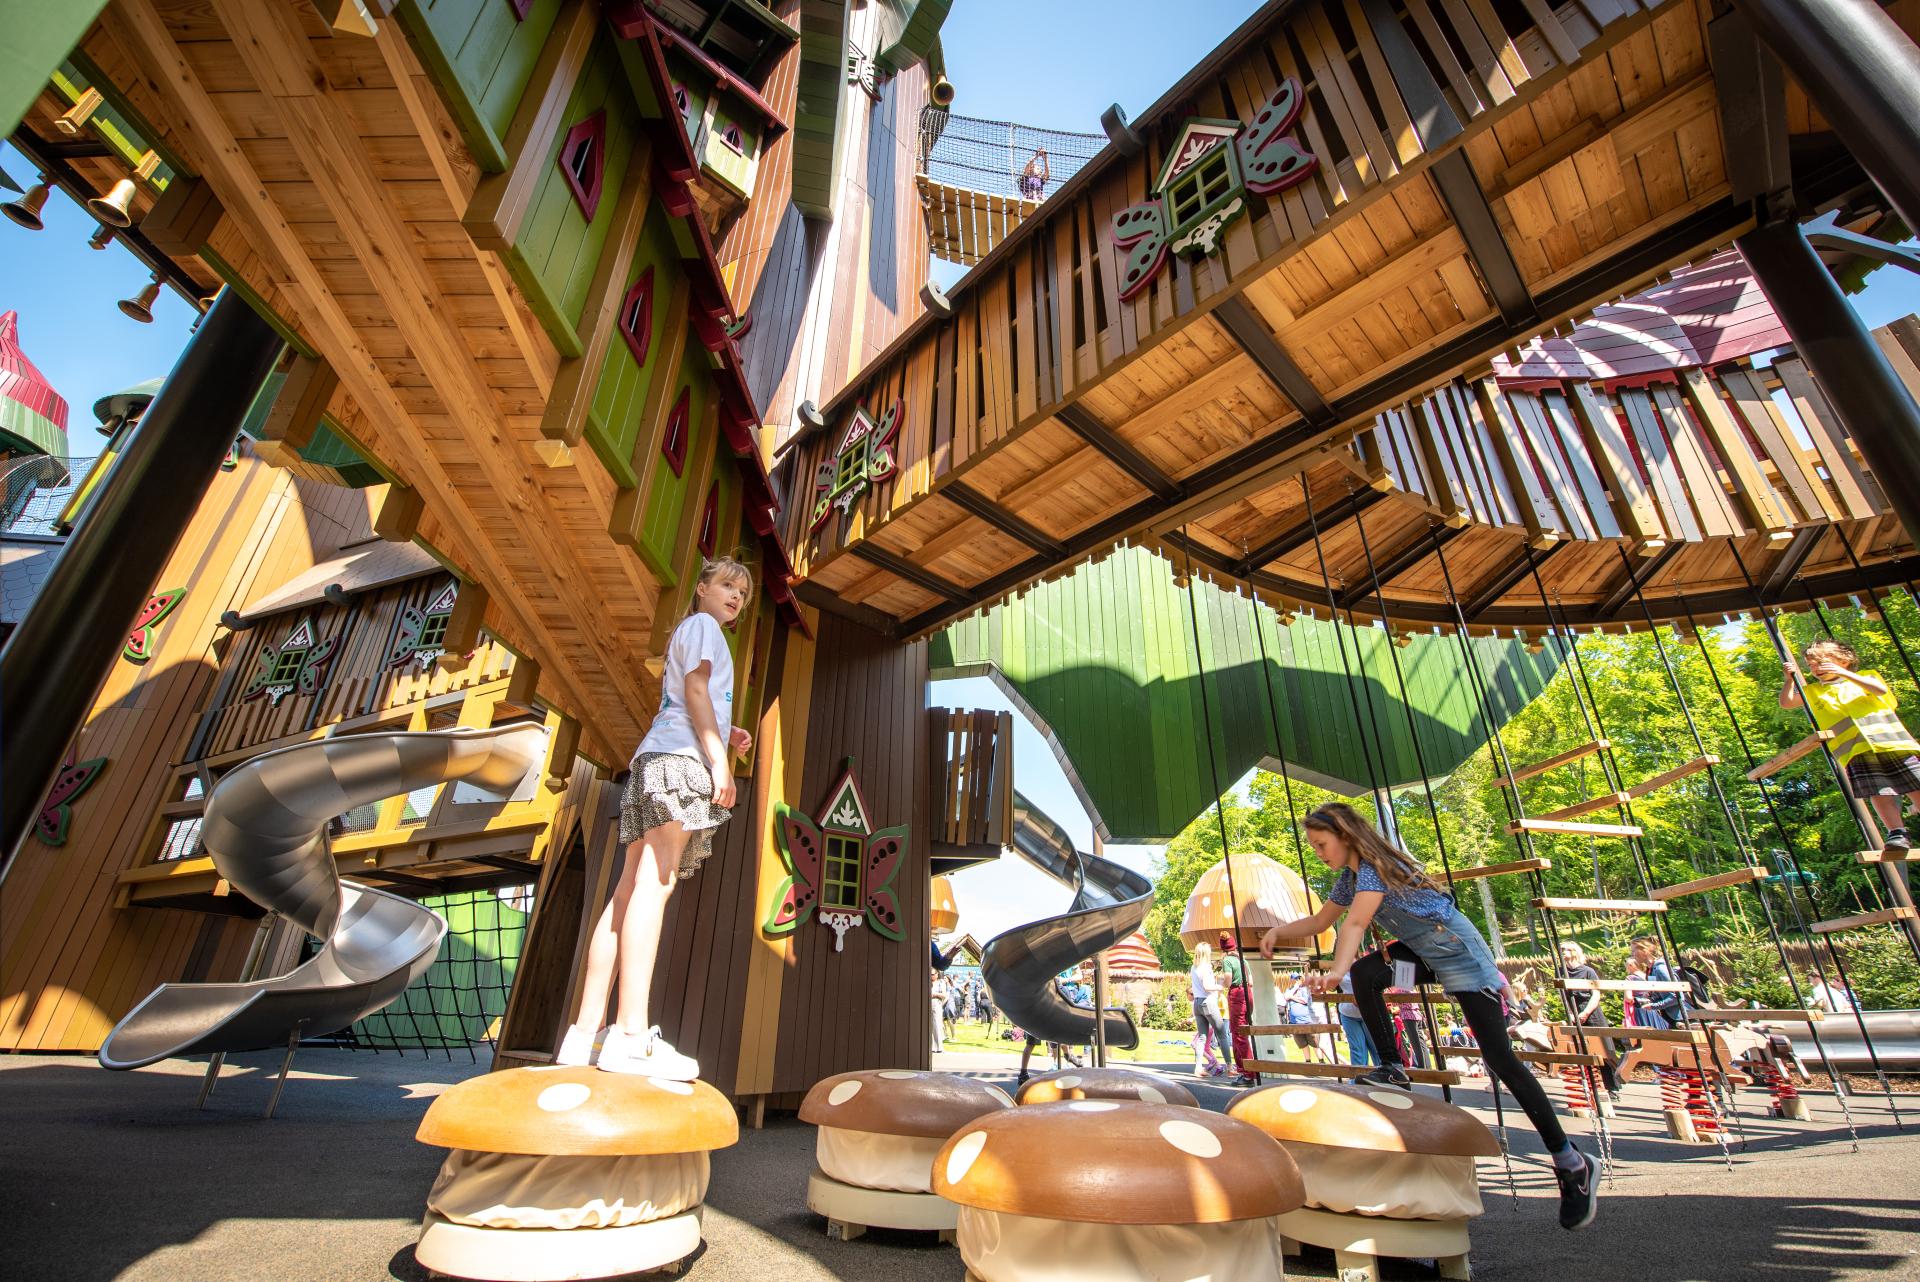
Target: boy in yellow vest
[(1882, 759)]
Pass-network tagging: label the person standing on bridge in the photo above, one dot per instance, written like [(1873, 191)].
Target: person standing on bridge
[(681, 789), (1882, 759), (1378, 882)]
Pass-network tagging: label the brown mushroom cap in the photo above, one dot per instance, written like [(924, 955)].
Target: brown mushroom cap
[(1371, 1118), (900, 1101), (1103, 1162), (579, 1112), (1125, 1084)]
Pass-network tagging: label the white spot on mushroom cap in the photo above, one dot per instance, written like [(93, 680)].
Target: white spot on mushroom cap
[(672, 1088), (843, 1092), (1093, 1106), (896, 1074), (960, 1159), (1206, 901), (1191, 1138), (1152, 1094), (1226, 910), (1392, 1099), (562, 1096), (1001, 1095), (1067, 1080), (1298, 1099)]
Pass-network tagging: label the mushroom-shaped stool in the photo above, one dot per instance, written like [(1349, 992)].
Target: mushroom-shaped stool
[(568, 1173), (1120, 1192), (878, 1133), (1387, 1172), (1126, 1085)]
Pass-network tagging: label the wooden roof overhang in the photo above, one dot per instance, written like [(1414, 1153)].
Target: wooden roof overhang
[(1461, 205), (339, 181)]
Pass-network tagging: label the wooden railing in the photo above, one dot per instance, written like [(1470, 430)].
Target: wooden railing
[(973, 779)]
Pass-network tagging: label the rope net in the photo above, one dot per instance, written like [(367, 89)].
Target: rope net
[(999, 157), (458, 1003)]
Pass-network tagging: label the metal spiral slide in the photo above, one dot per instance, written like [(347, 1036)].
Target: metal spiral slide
[(1109, 903), (266, 828)]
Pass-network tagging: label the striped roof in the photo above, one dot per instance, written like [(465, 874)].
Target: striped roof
[(1133, 956), (32, 415)]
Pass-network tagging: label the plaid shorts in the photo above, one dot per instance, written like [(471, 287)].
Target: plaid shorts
[(666, 787), (1883, 774)]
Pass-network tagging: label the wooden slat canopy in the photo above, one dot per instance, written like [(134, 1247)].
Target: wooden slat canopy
[(1344, 347)]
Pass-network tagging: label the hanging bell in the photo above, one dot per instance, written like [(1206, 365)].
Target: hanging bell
[(26, 210), (101, 238), (112, 208), (140, 306)]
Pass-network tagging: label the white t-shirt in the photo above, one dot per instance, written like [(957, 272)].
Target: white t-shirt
[(1833, 1000), (1199, 980), (697, 640)]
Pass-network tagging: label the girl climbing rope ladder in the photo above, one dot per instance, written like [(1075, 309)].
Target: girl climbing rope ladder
[(1380, 883), (1879, 754)]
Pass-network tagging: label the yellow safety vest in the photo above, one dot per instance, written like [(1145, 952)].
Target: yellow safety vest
[(1871, 724)]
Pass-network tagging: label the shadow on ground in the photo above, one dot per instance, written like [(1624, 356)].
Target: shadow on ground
[(116, 1176)]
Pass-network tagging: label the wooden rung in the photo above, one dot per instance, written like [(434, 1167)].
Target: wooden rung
[(1572, 829), (1528, 1057), (1877, 857), (1700, 885), (1623, 985), (1587, 807), (1881, 918), (1501, 870), (1288, 1068), (1540, 767), (1613, 1033), (1774, 765), (1674, 775), (1554, 904), (1789, 1016), (1288, 1030)]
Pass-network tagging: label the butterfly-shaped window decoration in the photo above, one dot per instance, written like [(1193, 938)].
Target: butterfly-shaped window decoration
[(297, 663), (56, 814), (864, 456), (839, 868), (139, 646), (423, 631), (1203, 185)]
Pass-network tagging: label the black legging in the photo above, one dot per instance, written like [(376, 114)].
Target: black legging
[(1373, 975)]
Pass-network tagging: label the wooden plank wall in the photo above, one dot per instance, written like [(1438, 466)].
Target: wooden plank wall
[(72, 963)]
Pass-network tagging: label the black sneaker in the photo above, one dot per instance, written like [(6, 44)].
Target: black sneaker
[(1579, 1194), (1386, 1075), (1897, 840)]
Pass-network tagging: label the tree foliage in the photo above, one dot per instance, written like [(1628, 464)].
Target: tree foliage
[(1619, 687)]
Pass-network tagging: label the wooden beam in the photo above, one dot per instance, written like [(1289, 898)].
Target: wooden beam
[(1500, 870), (1121, 453), (1302, 534), (965, 497), (1506, 578), (1780, 575), (296, 411), (1718, 881), (501, 202), (828, 601), (1674, 775), (1602, 802), (1568, 828), (1554, 762), (1453, 176), (463, 625), (1885, 917), (1292, 1068), (1416, 550), (1634, 578), (901, 568), (1781, 760), (1237, 319), (397, 510), (1560, 904)]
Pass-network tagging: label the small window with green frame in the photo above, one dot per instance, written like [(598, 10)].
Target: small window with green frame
[(433, 633), (842, 871), (1192, 195), (286, 665), (852, 463)]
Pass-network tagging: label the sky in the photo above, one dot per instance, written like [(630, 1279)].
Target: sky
[(1029, 62)]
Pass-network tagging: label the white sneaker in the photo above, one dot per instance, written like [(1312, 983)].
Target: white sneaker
[(580, 1045), (645, 1055)]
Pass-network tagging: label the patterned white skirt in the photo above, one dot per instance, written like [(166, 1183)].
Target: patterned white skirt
[(666, 787)]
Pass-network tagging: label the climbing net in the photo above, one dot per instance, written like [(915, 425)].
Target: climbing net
[(458, 1003), (992, 155)]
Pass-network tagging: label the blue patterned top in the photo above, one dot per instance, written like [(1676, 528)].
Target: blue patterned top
[(1429, 905)]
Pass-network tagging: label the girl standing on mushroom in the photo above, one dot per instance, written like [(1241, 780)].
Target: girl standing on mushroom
[(681, 789), (1378, 882)]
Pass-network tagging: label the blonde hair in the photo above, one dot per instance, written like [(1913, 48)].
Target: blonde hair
[(1203, 954), (1839, 651), (717, 570), (1398, 869)]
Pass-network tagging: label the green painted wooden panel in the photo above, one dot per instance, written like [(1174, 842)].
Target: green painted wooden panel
[(667, 498), (734, 168), (483, 57), (620, 394), (1107, 658), (698, 86), (557, 249), (38, 37)]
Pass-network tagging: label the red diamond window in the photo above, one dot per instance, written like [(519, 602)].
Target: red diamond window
[(583, 161)]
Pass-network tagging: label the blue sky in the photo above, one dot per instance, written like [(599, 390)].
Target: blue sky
[(1037, 64)]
